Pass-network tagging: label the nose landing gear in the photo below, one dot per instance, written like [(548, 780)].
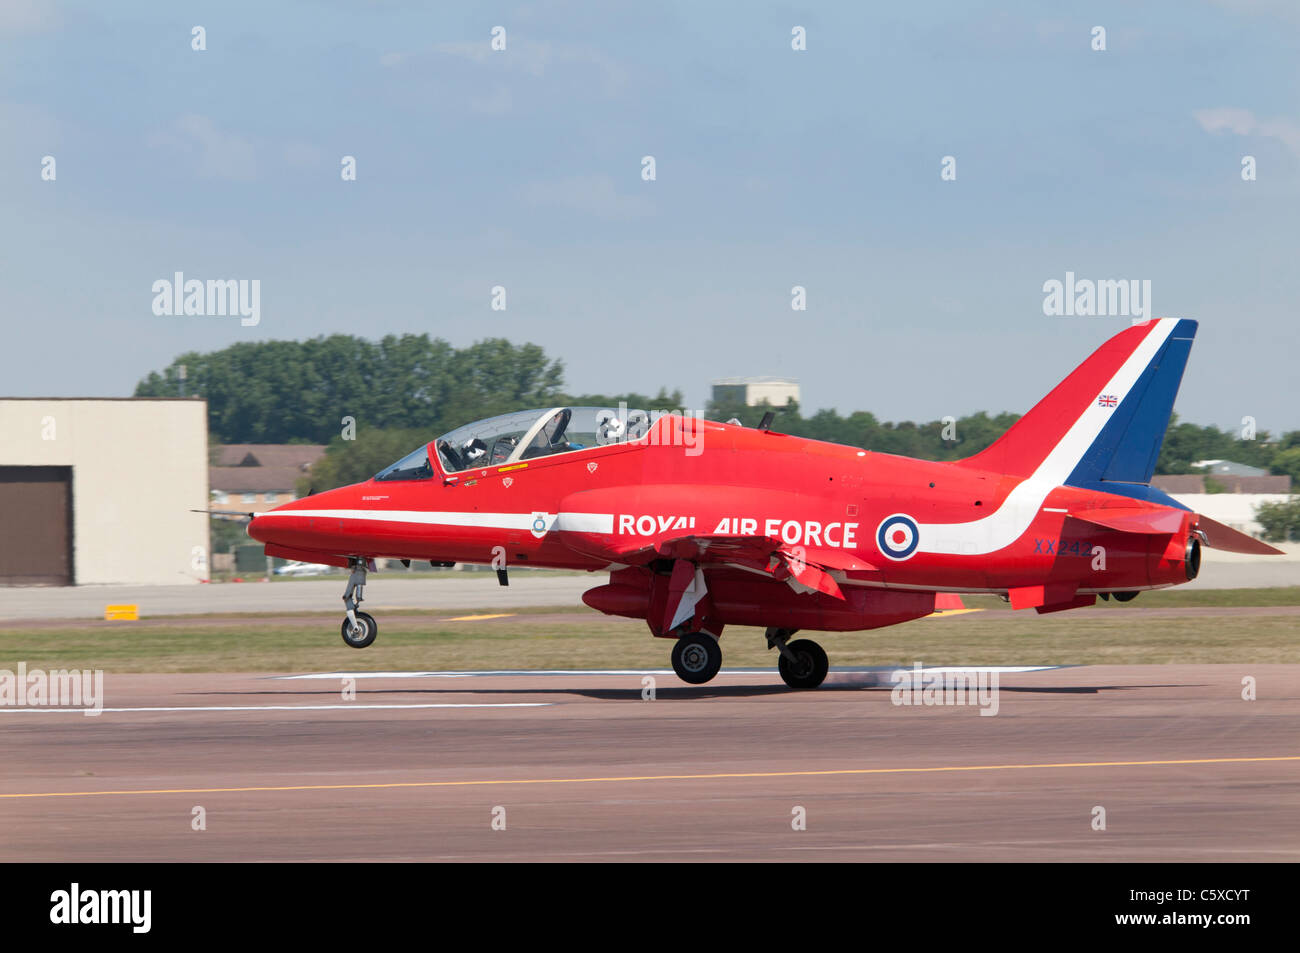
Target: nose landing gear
[(362, 632), (359, 628)]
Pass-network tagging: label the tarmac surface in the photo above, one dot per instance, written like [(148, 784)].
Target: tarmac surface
[(583, 767), (384, 590), (457, 590)]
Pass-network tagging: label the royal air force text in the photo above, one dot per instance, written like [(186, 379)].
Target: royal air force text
[(790, 532)]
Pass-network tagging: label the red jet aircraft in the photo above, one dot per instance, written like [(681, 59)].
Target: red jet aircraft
[(702, 524)]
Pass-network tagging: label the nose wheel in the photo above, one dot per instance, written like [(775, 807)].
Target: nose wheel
[(359, 628), (697, 658), (360, 633)]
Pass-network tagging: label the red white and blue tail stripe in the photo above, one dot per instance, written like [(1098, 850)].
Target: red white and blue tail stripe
[(1102, 427)]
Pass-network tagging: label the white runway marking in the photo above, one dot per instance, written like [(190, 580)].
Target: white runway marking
[(583, 671), (340, 707), (1001, 669)]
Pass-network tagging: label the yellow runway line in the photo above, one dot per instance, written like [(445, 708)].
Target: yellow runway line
[(844, 772), (472, 618)]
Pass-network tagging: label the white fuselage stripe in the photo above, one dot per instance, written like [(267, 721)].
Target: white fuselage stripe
[(570, 522), (1009, 521)]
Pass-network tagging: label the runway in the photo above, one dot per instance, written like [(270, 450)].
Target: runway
[(591, 770), (389, 590), (458, 590)]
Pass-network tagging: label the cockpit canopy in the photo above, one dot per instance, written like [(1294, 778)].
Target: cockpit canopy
[(524, 435), (414, 466)]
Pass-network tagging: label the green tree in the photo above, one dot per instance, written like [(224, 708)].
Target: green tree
[(352, 461), (1186, 443), (1288, 462), (281, 391), (227, 533), (1281, 521)]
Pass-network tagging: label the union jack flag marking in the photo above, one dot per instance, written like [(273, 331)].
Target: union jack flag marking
[(1106, 400)]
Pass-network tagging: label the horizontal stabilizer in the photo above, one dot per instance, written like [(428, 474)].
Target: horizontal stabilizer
[(1218, 536), (1155, 522)]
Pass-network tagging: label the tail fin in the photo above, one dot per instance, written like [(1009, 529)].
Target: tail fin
[(1103, 426)]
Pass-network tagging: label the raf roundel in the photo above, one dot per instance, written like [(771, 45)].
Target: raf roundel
[(897, 536)]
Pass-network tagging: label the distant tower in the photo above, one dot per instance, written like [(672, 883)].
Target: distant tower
[(752, 391)]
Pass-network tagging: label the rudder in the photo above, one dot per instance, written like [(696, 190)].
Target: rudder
[(1102, 427)]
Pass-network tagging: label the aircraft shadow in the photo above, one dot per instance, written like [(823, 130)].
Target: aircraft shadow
[(633, 693)]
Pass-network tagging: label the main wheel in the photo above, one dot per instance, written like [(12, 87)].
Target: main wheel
[(364, 632), (809, 668), (1124, 596), (697, 658)]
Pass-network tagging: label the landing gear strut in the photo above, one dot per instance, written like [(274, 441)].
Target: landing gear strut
[(359, 628), (696, 657), (803, 663)]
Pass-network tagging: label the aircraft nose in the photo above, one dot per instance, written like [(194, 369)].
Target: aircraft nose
[(262, 527), (284, 526), (259, 527)]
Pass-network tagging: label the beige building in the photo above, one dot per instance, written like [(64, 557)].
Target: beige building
[(254, 477), (1236, 499), (99, 491), (755, 390)]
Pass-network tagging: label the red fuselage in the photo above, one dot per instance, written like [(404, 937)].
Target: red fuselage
[(627, 507)]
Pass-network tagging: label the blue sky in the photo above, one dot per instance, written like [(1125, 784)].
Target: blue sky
[(775, 168)]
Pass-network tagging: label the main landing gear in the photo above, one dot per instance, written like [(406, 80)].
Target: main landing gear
[(803, 663), (697, 657), (359, 628)]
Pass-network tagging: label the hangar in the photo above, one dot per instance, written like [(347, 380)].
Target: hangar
[(99, 491)]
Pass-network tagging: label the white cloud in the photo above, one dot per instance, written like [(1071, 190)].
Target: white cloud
[(1283, 9), (26, 16), (495, 103), (522, 55), (1243, 122), (28, 134), (591, 195), (216, 154), (301, 155)]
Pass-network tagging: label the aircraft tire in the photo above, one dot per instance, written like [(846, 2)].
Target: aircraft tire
[(369, 629), (697, 657), (811, 669), (1124, 596)]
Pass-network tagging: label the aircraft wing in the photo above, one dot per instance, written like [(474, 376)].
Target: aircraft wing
[(809, 567)]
